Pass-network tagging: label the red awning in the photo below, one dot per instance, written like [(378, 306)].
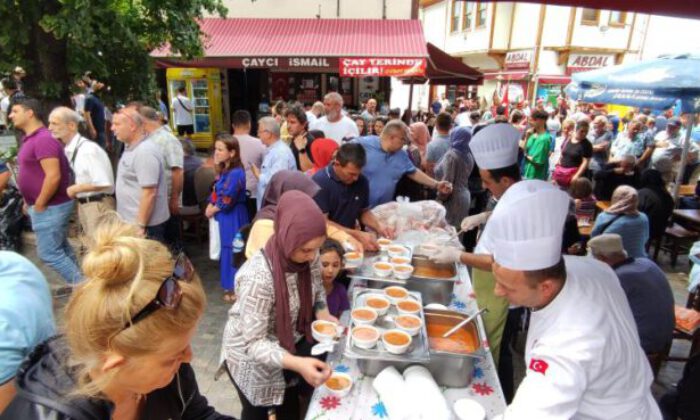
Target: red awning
[(677, 8), (507, 75), (443, 69), (390, 38), (554, 80)]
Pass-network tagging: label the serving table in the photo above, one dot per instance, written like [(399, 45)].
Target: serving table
[(363, 403)]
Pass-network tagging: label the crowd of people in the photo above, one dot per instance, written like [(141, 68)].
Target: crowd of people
[(288, 204)]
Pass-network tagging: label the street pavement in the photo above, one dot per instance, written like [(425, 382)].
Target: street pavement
[(207, 342)]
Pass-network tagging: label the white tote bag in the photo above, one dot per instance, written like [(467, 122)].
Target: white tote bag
[(214, 240)]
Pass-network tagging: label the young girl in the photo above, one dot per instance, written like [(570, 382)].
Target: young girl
[(331, 253), (581, 191), (228, 205)]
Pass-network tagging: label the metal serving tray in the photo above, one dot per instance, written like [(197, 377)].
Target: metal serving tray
[(418, 352)]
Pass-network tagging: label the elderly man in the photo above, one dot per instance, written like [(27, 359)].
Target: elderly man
[(582, 352), (669, 143), (632, 141), (142, 192), (387, 162), (173, 164), (370, 112), (600, 137), (94, 178), (335, 125), (279, 156), (647, 289), (344, 195), (44, 176)]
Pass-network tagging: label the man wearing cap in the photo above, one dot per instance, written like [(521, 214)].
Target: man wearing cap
[(669, 143), (582, 353), (495, 150), (647, 289)]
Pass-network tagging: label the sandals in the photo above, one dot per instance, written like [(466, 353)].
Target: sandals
[(229, 296)]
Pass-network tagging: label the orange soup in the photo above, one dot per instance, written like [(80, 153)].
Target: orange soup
[(337, 383), (396, 293), (364, 334), (461, 342), (409, 306), (382, 266), (396, 339), (383, 241), (397, 249), (363, 314), (407, 321), (402, 268), (352, 256), (400, 260), (377, 303), (325, 329)]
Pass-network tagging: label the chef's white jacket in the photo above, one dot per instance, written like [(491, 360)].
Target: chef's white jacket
[(583, 355)]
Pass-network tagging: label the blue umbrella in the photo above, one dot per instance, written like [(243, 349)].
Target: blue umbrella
[(656, 84)]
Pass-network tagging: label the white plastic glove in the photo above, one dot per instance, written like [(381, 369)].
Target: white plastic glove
[(471, 222), (446, 255)]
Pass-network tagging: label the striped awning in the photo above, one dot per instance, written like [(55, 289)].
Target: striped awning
[(310, 38)]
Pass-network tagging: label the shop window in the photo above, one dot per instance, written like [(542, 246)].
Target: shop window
[(468, 17), (617, 18), (481, 13), (454, 19), (590, 16)]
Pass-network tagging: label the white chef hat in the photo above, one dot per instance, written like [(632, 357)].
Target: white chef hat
[(495, 146), (527, 225)]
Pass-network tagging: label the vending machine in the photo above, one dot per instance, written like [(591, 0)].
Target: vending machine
[(203, 87)]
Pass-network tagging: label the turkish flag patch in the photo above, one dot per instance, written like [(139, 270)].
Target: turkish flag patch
[(539, 366)]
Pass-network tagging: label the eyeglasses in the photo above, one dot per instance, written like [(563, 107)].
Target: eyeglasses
[(169, 294)]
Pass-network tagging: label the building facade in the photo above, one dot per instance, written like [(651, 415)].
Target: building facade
[(532, 49), (323, 9)]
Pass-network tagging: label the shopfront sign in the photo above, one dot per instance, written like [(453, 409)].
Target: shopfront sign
[(287, 62), (518, 59), (584, 62), (382, 67)]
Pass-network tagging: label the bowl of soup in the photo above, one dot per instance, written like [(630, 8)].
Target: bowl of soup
[(383, 243), (396, 341), (408, 307), (409, 323), (378, 302), (396, 293), (365, 336), (339, 384), (353, 259), (324, 331), (400, 260), (363, 316), (382, 269), (397, 251), (403, 271)]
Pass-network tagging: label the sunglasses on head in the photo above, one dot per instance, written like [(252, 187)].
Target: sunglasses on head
[(169, 294)]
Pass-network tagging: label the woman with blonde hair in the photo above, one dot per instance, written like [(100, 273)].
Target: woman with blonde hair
[(125, 351)]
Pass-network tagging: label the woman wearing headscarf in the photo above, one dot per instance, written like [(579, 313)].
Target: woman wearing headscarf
[(322, 152), (268, 332), (456, 166), (263, 224), (656, 202), (417, 148), (623, 217)]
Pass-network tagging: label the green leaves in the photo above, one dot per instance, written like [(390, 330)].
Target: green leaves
[(58, 40)]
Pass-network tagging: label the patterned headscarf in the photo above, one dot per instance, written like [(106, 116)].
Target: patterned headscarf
[(624, 201)]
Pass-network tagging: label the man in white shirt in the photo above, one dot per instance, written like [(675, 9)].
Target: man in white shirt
[(278, 157), (583, 353), (94, 178), (252, 153), (335, 125), (182, 111)]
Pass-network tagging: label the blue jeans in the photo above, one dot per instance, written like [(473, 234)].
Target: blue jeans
[(51, 229)]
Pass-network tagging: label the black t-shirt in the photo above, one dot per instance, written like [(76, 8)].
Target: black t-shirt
[(574, 153), (295, 151), (97, 113)]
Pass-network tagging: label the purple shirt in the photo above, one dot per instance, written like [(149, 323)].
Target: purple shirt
[(337, 300), (35, 147)]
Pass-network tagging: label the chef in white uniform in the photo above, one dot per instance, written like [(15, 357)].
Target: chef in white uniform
[(583, 356)]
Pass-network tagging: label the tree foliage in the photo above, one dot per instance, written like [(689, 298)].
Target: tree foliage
[(57, 40)]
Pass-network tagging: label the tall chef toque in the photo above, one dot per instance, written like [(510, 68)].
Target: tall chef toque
[(526, 227), (495, 146)]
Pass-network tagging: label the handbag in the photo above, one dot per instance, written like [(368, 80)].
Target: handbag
[(562, 176), (214, 240)]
